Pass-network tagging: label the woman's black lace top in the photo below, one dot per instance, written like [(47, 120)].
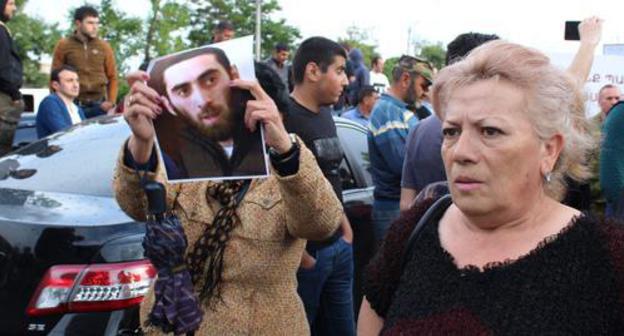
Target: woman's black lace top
[(571, 284)]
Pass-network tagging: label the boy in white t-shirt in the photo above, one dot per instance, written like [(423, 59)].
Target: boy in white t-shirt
[(377, 78)]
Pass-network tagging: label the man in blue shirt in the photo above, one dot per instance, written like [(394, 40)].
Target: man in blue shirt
[(389, 125), (58, 110), (367, 97)]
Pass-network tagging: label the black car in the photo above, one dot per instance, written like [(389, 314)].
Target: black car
[(26, 131), (71, 261)]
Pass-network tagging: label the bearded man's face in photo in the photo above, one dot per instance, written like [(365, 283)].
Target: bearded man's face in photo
[(199, 92)]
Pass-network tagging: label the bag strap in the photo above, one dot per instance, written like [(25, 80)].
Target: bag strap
[(434, 211)]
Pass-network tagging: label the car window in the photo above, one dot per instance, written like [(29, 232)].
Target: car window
[(79, 161), (347, 178), (355, 146)]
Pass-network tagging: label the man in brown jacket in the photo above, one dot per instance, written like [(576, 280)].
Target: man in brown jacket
[(94, 60)]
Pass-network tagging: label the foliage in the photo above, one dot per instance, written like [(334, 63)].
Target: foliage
[(123, 32), (388, 66), (172, 25), (434, 53), (34, 39), (206, 14), (165, 28), (360, 39)]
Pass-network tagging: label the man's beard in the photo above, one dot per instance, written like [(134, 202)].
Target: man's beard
[(221, 130), (410, 97)]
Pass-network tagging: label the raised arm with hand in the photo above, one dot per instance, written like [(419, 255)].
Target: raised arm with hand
[(143, 105), (590, 31)]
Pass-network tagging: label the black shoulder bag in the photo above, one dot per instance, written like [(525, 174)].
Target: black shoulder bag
[(435, 211)]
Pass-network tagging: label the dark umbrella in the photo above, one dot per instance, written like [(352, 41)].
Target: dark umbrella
[(176, 308)]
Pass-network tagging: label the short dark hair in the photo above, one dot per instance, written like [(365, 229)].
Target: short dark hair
[(375, 59), (273, 85), (280, 46), (365, 91), (85, 11), (464, 43), (224, 25), (157, 81), (319, 50), (54, 75)]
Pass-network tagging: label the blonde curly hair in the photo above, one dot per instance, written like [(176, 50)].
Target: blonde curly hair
[(554, 101)]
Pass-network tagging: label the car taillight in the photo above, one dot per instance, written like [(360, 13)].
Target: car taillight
[(89, 288)]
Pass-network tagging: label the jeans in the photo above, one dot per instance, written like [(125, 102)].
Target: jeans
[(385, 211), (92, 109), (326, 290)]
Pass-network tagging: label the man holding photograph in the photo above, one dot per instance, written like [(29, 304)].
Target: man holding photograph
[(204, 135)]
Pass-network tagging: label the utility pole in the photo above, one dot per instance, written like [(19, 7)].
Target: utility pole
[(258, 28), (408, 50)]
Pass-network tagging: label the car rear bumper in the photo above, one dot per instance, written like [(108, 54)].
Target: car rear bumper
[(119, 322)]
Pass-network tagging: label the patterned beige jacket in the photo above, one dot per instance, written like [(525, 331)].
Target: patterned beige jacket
[(277, 214)]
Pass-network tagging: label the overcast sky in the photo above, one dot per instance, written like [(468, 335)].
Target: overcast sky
[(537, 23)]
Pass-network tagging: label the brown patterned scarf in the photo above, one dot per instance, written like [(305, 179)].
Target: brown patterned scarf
[(206, 259)]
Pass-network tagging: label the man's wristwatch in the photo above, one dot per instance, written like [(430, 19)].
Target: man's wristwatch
[(277, 157)]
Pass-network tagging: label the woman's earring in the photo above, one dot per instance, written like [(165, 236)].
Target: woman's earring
[(548, 177)]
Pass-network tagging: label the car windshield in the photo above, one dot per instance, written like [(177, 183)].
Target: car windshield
[(77, 161)]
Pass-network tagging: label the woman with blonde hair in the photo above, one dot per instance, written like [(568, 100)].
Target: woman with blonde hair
[(502, 255)]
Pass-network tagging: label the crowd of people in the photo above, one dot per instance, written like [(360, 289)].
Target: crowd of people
[(484, 216)]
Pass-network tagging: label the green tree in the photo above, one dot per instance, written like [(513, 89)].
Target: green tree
[(388, 66), (165, 27), (123, 32), (360, 38), (35, 40), (242, 14), (125, 35), (434, 53)]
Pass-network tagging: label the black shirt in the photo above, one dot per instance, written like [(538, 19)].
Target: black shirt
[(11, 72), (318, 132)]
